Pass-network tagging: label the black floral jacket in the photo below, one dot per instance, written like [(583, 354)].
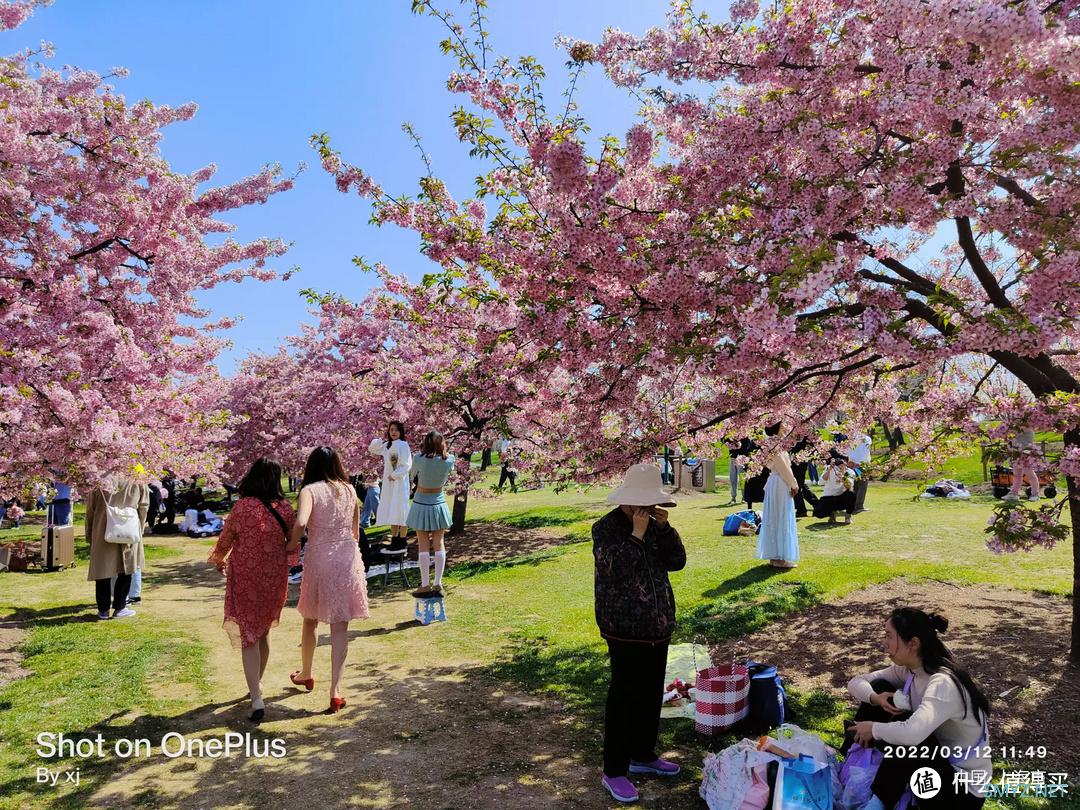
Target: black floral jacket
[(634, 600)]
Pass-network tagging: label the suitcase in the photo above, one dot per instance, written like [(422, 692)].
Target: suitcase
[(57, 545)]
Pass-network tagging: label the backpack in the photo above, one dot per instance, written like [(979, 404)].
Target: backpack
[(767, 699), (734, 521)]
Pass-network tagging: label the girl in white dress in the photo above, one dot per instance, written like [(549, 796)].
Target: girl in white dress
[(394, 501)]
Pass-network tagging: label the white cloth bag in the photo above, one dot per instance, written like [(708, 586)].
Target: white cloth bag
[(122, 524)]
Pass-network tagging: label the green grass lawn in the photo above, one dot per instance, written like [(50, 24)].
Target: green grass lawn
[(531, 617)]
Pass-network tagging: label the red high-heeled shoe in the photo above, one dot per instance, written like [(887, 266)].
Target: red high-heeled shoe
[(336, 705), (309, 684)]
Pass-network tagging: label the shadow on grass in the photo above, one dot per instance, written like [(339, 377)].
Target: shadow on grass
[(825, 526), (745, 608), (542, 517), (50, 617), (466, 570)]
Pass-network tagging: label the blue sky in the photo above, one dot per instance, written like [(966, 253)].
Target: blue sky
[(266, 74)]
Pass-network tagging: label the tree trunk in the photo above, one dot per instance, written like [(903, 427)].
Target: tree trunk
[(1072, 438), (457, 520)]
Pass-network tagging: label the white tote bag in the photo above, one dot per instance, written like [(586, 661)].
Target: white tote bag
[(122, 524)]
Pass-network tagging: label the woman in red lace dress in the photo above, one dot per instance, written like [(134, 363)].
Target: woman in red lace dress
[(254, 553)]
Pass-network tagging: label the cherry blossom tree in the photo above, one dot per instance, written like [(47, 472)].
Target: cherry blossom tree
[(817, 200), (106, 359)]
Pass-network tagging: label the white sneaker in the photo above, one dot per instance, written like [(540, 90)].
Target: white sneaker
[(103, 614), (1034, 498), (1010, 497), (124, 613), (295, 578)]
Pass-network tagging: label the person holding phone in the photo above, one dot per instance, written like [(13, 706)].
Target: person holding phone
[(254, 552), (634, 548)]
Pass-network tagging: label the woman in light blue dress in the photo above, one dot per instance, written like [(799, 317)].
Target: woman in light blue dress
[(778, 540)]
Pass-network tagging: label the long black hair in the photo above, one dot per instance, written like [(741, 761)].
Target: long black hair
[(324, 464), (400, 429), (912, 623), (262, 481)]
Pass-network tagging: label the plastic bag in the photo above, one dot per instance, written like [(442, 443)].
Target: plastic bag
[(857, 775), (793, 739), (803, 784), (727, 780)]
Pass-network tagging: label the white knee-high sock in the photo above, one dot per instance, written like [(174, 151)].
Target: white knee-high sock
[(440, 566), (425, 565)]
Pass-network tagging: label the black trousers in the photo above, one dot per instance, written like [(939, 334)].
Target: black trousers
[(860, 493), (800, 477), (894, 774), (827, 504), (505, 475), (107, 593), (632, 716)]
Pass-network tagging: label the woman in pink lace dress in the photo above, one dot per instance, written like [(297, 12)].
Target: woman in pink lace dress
[(333, 589), (253, 555)]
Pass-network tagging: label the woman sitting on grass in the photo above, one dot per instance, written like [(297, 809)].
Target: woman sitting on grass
[(924, 703)]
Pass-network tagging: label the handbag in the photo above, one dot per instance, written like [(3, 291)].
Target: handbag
[(122, 524), (721, 697)]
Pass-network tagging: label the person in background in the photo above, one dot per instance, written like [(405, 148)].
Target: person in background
[(634, 548), (155, 505), (799, 469), (838, 494), (333, 589), (928, 704), (371, 503), (667, 468), (394, 499), (778, 539), (812, 472), (254, 552), (39, 491), (429, 515), (111, 559), (168, 494), (1023, 446), (858, 456), (508, 460), (61, 503), (737, 455)]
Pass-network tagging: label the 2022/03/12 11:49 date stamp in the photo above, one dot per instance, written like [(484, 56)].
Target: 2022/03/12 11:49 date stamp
[(961, 753)]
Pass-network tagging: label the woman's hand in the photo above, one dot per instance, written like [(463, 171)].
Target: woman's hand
[(882, 699), (641, 522), (659, 515), (220, 567), (864, 733), (794, 492)]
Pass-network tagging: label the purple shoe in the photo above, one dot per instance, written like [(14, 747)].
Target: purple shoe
[(620, 788), (658, 767)]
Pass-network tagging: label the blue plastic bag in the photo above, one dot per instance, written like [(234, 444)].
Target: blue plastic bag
[(803, 784), (733, 521)]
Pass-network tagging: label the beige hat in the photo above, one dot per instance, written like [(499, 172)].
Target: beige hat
[(642, 486)]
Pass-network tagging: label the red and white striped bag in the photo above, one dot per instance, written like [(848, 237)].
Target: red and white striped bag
[(722, 697)]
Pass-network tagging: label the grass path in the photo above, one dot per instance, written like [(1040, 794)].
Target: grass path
[(497, 707)]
